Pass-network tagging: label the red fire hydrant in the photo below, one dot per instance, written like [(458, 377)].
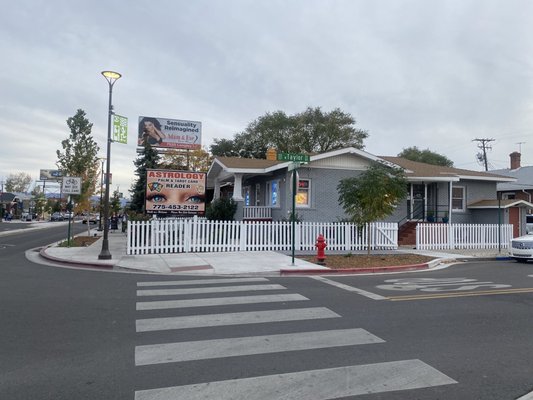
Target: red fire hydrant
[(320, 246)]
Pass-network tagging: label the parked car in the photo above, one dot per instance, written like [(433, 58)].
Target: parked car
[(57, 216), (522, 248), (91, 218), (529, 224), (26, 216)]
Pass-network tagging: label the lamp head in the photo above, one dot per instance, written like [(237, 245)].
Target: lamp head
[(111, 76)]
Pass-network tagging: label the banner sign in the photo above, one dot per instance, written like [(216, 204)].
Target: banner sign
[(170, 133), (50, 175), (175, 192), (71, 185), (120, 129)]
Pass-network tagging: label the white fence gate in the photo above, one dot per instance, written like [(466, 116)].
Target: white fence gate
[(463, 236), (200, 235)]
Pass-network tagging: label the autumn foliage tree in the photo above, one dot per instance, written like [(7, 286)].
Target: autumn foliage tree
[(79, 157)]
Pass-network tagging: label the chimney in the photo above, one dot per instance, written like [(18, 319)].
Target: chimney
[(515, 159)]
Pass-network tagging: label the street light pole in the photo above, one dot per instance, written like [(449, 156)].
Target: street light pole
[(101, 195), (111, 77)]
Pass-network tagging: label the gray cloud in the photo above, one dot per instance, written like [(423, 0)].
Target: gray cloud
[(413, 73)]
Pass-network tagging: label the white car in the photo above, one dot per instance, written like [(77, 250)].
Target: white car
[(521, 248)]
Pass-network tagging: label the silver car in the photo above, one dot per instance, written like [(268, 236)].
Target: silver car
[(521, 248)]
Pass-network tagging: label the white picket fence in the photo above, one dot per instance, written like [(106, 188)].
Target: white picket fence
[(199, 235), (463, 236)]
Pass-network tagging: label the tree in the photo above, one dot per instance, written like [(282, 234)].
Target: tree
[(372, 195), (312, 131), (426, 156), (195, 160), (114, 203), (80, 157), (18, 182), (149, 158)]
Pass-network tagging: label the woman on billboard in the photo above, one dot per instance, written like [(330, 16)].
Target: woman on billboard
[(150, 131)]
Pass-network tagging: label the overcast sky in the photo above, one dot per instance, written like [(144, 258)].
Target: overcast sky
[(432, 74)]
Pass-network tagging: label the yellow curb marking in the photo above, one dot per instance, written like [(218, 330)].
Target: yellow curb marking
[(465, 294)]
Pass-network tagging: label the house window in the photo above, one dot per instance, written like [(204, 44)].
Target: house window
[(458, 198), (273, 193), (302, 194)]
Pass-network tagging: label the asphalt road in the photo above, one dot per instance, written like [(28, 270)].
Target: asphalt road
[(459, 333)]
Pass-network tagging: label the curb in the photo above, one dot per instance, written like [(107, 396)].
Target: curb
[(74, 263), (396, 268)]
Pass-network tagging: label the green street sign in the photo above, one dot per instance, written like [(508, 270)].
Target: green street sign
[(120, 129), (293, 157)]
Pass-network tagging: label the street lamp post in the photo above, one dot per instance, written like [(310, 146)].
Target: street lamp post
[(111, 77), (101, 195)]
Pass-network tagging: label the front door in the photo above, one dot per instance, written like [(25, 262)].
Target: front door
[(514, 219), (416, 202)]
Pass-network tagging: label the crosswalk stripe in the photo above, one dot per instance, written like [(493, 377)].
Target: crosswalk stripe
[(200, 282), (220, 289), (320, 384), (218, 301), (206, 349), (254, 317)]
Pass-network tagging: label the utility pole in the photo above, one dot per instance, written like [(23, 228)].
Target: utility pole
[(483, 146)]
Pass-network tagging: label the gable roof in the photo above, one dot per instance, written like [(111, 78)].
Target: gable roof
[(414, 170), (523, 176), (224, 167)]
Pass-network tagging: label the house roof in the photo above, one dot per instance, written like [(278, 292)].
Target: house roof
[(504, 203), (247, 163), (420, 170), (6, 197), (523, 176), (224, 167)]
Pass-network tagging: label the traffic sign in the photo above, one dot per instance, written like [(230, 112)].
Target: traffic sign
[(293, 157)]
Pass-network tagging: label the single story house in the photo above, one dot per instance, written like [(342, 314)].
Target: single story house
[(262, 189)]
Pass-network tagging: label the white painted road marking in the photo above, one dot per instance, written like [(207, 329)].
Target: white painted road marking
[(319, 384), (221, 289), (200, 282), (254, 317), (218, 301), (438, 285), (349, 288), (207, 349)]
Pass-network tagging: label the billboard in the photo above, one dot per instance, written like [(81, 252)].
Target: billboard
[(170, 133), (175, 192), (50, 175)]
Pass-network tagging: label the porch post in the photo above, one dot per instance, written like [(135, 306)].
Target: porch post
[(425, 201), (237, 188), (450, 203), (216, 194)]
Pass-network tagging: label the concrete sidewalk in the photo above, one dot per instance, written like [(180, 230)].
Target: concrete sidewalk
[(262, 262), (227, 263)]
